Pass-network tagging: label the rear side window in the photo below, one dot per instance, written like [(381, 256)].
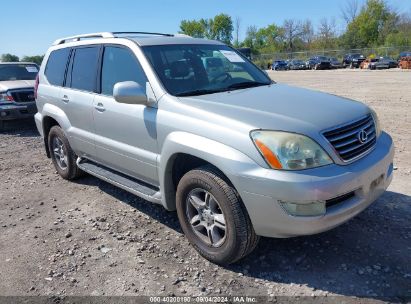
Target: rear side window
[(119, 64), (84, 68), (56, 66)]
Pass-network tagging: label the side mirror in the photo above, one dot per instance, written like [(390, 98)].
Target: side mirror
[(129, 92)]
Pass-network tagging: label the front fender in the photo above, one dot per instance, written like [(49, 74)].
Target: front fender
[(227, 159)]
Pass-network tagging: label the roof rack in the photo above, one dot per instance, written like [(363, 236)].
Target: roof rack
[(142, 33), (78, 37), (110, 35)]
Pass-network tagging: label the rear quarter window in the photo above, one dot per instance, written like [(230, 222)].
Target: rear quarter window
[(56, 66)]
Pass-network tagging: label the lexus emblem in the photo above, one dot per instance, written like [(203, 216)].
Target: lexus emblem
[(362, 136)]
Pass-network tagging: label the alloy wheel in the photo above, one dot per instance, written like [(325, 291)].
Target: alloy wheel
[(206, 217)]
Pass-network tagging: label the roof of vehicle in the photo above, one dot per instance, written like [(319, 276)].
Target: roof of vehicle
[(141, 38)]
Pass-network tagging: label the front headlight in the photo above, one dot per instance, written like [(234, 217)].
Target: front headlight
[(289, 151), (5, 97), (376, 123)]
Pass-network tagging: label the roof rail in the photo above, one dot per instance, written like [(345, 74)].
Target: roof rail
[(111, 35), (78, 37), (142, 33)]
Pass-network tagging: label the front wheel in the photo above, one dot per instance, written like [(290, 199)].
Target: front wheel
[(213, 217)]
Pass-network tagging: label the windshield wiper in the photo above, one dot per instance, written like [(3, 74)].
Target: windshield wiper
[(198, 92), (239, 85), (247, 84)]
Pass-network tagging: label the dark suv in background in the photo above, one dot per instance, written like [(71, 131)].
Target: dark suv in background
[(279, 65), (353, 60), (318, 63)]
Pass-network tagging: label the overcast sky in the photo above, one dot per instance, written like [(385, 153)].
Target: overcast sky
[(29, 27)]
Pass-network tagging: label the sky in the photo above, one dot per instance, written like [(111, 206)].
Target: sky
[(29, 27)]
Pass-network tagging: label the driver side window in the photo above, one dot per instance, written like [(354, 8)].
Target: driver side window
[(120, 64)]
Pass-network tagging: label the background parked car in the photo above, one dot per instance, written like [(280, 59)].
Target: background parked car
[(17, 90), (353, 60), (335, 63), (379, 64), (366, 63), (390, 61), (279, 65), (405, 62), (319, 63), (297, 64), (404, 54)]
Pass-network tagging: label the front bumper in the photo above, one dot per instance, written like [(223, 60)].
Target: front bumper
[(12, 111), (261, 190)]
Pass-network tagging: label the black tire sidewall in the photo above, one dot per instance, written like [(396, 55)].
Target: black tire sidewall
[(195, 179), (69, 172)]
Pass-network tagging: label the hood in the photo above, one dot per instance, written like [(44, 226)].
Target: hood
[(279, 107), (16, 84)]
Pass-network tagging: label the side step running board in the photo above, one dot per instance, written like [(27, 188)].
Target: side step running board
[(132, 185)]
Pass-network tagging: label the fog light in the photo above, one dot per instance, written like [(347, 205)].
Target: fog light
[(304, 209)]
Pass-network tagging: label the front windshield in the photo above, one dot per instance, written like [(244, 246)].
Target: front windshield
[(18, 72), (197, 69)]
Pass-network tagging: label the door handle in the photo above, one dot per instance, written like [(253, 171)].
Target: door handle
[(65, 99), (100, 107)]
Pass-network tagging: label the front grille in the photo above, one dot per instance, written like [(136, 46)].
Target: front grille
[(23, 95), (347, 140)]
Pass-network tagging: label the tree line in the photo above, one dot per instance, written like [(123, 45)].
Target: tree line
[(373, 24), (13, 58)]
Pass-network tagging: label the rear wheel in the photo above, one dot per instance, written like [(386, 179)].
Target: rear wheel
[(63, 157), (213, 217)]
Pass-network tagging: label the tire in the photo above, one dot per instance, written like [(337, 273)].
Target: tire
[(1, 125), (237, 239), (65, 165)]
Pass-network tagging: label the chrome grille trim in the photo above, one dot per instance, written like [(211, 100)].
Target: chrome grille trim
[(344, 139)]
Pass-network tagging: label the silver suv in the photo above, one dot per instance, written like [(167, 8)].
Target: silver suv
[(193, 125), (17, 90)]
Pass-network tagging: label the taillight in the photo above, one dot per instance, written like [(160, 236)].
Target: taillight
[(36, 86)]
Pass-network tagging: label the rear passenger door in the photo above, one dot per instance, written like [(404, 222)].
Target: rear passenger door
[(77, 98), (126, 138)]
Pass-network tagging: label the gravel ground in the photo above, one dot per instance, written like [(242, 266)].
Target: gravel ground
[(90, 238)]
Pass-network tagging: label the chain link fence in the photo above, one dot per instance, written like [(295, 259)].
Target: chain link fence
[(265, 60)]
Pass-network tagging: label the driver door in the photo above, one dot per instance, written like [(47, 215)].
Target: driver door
[(126, 134)]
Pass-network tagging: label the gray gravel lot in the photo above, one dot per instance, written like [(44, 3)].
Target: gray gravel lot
[(90, 238)]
